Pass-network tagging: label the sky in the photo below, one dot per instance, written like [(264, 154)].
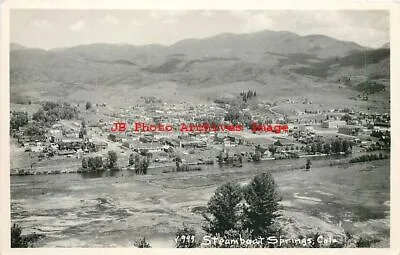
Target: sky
[(49, 29)]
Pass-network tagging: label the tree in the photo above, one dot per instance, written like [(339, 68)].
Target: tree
[(112, 158), (308, 164), (262, 207), (88, 105), (18, 119), (224, 209)]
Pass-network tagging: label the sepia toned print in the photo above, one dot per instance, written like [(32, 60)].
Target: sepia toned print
[(200, 129)]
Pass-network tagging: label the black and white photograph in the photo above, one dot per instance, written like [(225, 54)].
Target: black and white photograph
[(199, 128)]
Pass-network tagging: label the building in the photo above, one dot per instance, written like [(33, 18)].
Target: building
[(349, 130), (333, 124)]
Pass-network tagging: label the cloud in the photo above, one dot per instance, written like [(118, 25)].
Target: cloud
[(111, 20), (77, 26), (43, 23)]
